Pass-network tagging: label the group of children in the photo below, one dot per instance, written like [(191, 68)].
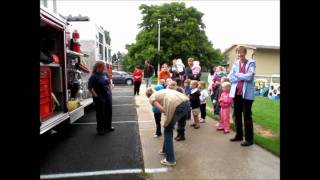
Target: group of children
[(222, 103), (198, 94)]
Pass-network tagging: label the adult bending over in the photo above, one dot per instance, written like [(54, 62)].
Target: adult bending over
[(175, 106)]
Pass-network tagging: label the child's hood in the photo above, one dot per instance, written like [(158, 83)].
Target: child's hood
[(179, 63), (159, 87), (196, 63)]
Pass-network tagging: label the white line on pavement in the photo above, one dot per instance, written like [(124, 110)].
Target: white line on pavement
[(93, 173), (106, 172), (156, 170)]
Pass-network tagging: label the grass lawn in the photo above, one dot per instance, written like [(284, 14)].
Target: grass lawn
[(154, 80), (270, 144), (266, 112), (265, 118)]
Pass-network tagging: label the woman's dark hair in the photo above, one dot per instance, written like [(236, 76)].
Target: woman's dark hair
[(138, 66), (212, 71), (98, 64)]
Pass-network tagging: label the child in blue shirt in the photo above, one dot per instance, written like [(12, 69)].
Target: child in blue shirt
[(163, 83), (157, 114), (187, 88)]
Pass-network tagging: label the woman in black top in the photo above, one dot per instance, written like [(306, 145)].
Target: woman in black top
[(100, 87), (188, 71)]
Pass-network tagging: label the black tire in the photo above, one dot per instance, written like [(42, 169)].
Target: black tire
[(129, 82)]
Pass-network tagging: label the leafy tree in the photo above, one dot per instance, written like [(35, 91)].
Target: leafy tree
[(127, 46), (182, 35)]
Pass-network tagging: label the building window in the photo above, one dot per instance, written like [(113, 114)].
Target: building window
[(101, 51), (44, 3), (100, 45), (105, 54), (100, 38), (54, 6)]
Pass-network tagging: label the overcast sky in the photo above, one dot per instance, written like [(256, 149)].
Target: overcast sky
[(227, 22)]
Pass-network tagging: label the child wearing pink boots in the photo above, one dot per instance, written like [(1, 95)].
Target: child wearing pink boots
[(225, 102)]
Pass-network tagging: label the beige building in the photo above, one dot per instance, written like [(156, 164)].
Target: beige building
[(267, 58)]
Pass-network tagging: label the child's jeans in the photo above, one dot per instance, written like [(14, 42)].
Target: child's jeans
[(157, 117)]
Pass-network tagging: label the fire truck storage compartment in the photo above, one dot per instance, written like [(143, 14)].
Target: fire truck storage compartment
[(45, 92), (52, 41), (57, 88)]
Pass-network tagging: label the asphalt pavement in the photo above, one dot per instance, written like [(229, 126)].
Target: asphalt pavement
[(77, 152)]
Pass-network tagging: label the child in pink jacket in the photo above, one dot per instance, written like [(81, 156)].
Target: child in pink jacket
[(225, 103)]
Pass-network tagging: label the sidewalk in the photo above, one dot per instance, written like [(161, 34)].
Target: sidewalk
[(205, 154)]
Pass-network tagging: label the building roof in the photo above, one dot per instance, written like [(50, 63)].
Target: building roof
[(253, 46)]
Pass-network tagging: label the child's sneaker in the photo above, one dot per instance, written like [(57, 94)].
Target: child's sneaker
[(161, 152), (196, 126), (156, 136), (176, 137), (214, 101), (167, 163), (180, 138), (202, 120), (226, 131)]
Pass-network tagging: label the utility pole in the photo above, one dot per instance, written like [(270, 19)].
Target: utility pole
[(159, 22)]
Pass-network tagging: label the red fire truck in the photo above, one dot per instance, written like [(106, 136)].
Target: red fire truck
[(63, 73)]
